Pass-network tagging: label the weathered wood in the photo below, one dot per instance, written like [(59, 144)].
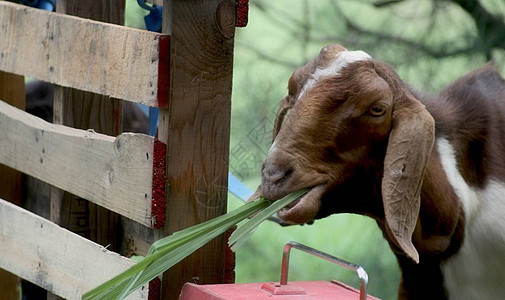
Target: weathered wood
[(115, 173), (54, 258), (12, 89), (112, 12), (85, 110), (156, 2), (197, 126), (9, 286), (103, 58)]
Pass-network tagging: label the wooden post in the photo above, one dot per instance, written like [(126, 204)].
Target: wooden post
[(12, 91), (196, 129), (86, 110)]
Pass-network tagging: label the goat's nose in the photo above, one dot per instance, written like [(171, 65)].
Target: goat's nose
[(273, 173)]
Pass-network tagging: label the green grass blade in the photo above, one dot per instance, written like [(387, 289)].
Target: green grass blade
[(129, 287), (173, 256), (170, 259), (168, 251), (240, 235), (169, 256)]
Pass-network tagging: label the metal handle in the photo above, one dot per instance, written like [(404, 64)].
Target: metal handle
[(362, 275)]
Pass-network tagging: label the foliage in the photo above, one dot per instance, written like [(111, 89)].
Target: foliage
[(134, 15)]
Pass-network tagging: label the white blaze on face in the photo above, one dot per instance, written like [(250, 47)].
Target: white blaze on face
[(341, 60)]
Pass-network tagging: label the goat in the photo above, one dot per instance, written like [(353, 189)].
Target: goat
[(429, 170)]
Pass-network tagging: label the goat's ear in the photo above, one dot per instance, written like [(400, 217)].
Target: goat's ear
[(286, 104), (409, 148)]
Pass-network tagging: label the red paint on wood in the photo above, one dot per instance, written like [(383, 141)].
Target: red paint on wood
[(154, 289), (159, 202), (242, 16), (229, 259), (163, 71)]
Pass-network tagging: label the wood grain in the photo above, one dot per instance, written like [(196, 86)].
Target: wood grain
[(197, 126), (54, 258), (115, 173), (87, 110), (103, 58), (12, 89)]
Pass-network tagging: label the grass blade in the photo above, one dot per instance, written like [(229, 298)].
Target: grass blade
[(168, 251), (240, 235)]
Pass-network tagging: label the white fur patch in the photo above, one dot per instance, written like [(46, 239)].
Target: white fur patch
[(466, 194), (477, 270), (342, 59)]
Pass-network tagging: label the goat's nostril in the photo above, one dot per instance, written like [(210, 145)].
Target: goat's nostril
[(274, 175)]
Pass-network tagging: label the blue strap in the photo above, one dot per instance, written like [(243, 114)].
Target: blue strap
[(143, 4), (153, 120), (237, 188), (155, 17), (42, 4)]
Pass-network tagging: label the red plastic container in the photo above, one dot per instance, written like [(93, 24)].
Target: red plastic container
[(306, 290)]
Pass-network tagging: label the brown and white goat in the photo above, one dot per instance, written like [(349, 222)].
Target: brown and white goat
[(429, 170)]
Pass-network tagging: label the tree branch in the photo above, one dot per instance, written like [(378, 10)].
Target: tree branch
[(271, 58), (490, 27), (435, 53), (381, 4)]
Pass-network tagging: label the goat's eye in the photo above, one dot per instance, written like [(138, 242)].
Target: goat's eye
[(377, 110)]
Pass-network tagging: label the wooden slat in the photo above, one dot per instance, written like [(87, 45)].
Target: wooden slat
[(88, 55), (54, 258), (115, 173)]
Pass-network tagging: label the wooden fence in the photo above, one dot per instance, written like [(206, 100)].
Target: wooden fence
[(185, 71)]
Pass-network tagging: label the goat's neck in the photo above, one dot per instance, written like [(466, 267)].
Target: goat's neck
[(439, 229)]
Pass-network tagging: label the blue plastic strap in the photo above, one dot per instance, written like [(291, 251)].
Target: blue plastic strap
[(143, 4), (42, 4), (155, 17), (237, 188), (153, 120)]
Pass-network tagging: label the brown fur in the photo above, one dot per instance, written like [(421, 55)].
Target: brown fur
[(332, 140)]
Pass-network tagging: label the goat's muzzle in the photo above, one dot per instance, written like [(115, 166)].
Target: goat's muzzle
[(273, 177)]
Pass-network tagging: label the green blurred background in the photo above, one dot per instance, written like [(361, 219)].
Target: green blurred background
[(429, 42)]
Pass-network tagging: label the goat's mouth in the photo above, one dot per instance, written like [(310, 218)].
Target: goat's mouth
[(305, 208)]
